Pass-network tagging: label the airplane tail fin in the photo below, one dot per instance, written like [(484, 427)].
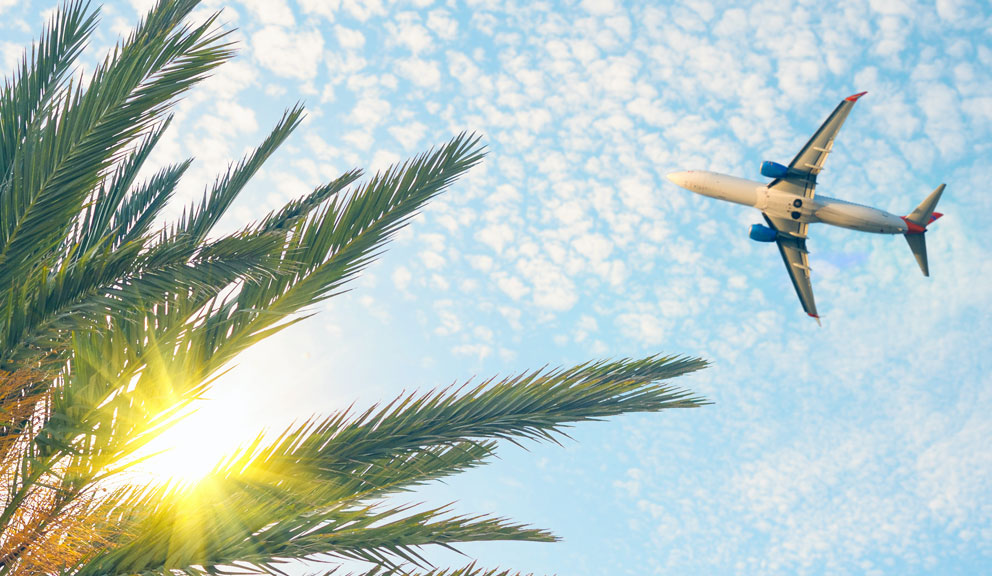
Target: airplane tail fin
[(917, 222)]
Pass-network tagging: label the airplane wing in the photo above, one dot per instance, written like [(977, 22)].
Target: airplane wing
[(792, 247), (801, 177)]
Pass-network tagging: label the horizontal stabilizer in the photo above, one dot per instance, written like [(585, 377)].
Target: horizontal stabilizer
[(918, 244), (921, 216)]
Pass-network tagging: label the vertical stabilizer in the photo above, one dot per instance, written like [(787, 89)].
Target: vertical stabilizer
[(918, 244), (921, 216)]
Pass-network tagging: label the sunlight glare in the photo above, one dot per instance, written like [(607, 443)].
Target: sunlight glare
[(190, 449)]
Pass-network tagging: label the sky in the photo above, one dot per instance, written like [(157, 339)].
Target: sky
[(860, 447)]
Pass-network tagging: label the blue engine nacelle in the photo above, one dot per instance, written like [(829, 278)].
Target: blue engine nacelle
[(773, 169), (762, 233)]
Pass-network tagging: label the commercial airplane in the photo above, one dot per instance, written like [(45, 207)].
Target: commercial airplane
[(789, 206)]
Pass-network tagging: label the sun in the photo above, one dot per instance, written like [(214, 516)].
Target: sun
[(190, 449)]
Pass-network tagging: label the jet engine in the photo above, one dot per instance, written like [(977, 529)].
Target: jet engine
[(761, 233), (773, 169)]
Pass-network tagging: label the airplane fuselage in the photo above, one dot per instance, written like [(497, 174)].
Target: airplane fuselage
[(788, 206)]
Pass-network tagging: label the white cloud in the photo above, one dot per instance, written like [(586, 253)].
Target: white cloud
[(464, 69), (287, 54), (481, 262), (955, 10), (432, 260), (406, 31), (383, 159), (496, 236), (642, 327), (479, 351), (409, 135), (593, 246), (325, 8), (362, 10), (512, 286), (370, 111), (230, 119), (11, 54), (449, 323), (600, 7), (443, 24), (944, 125), (271, 12), (584, 327), (569, 233), (140, 6), (402, 278), (423, 73), (891, 7), (553, 289), (348, 38), (361, 139)]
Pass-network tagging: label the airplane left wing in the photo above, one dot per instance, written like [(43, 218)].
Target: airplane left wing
[(792, 246), (801, 177)]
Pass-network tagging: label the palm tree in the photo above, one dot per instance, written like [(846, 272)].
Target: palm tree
[(110, 324)]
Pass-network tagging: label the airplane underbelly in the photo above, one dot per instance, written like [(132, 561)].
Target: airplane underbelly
[(862, 218), (731, 189), (787, 206)]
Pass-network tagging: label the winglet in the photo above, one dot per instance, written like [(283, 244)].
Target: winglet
[(854, 97), (818, 323)]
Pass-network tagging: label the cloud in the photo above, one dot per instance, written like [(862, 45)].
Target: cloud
[(479, 351), (401, 278), (324, 8), (443, 24), (348, 38), (553, 289), (643, 327), (11, 54), (271, 12), (287, 54), (406, 31), (600, 7), (511, 285), (851, 448), (422, 73), (944, 125), (370, 111), (410, 135)]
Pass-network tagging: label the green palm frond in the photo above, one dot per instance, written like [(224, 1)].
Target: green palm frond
[(27, 98), (102, 212), (110, 327), (135, 215), (198, 221), (333, 244), (307, 493), (470, 570), (59, 164)]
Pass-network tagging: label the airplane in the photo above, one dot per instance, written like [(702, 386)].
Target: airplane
[(789, 205)]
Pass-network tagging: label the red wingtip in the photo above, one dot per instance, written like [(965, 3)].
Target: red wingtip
[(854, 97), (811, 315)]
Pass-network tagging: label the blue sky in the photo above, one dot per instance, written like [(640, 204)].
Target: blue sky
[(860, 447)]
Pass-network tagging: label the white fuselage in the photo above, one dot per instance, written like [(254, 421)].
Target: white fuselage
[(781, 204)]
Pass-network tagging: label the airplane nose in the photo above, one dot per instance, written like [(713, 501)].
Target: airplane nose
[(678, 178)]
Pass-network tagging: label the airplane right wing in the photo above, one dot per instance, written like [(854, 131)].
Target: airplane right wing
[(792, 247), (801, 177)]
